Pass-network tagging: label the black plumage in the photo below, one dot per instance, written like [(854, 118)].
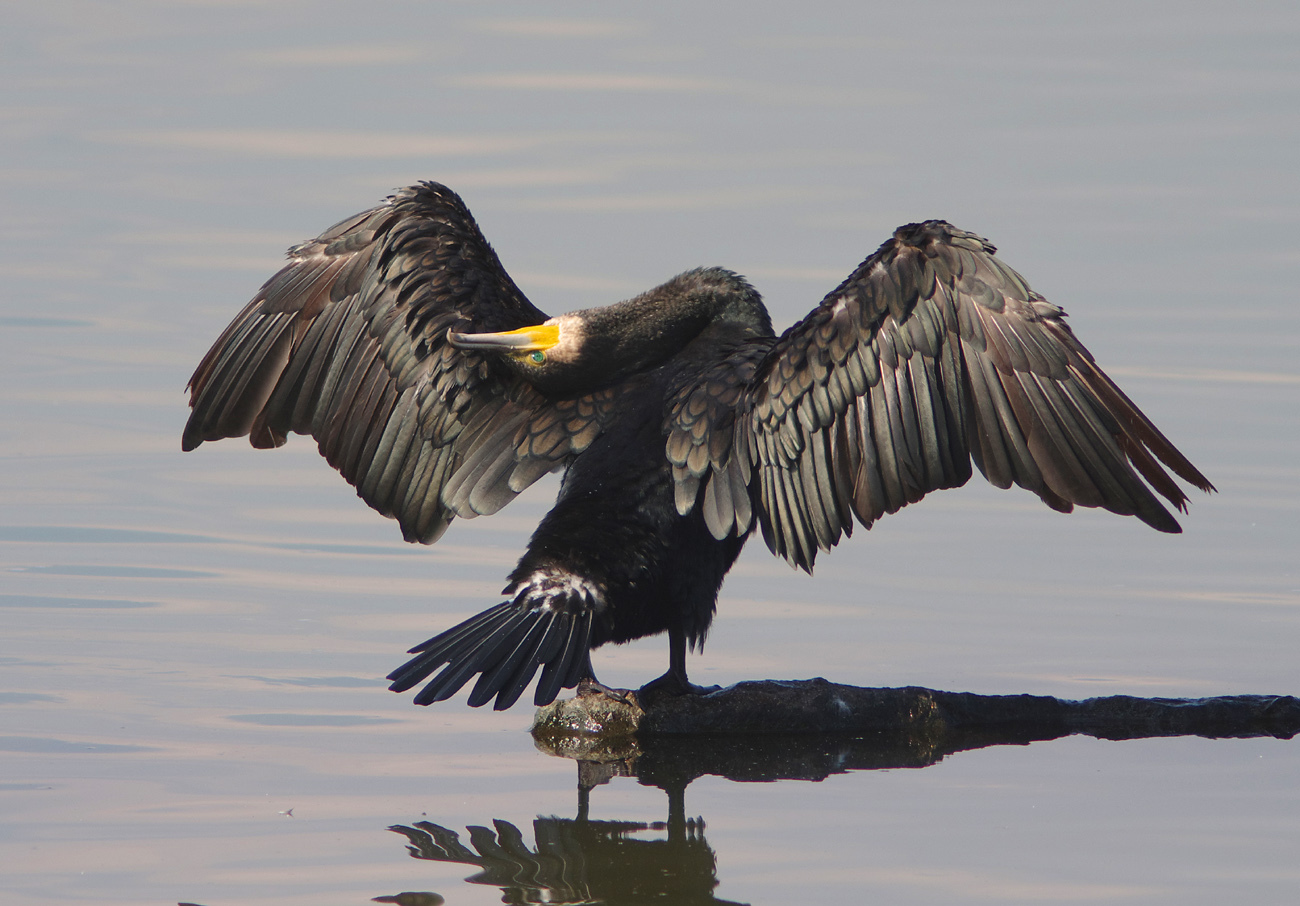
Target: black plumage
[(399, 342)]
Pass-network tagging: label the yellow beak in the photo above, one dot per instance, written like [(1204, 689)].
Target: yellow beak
[(525, 339)]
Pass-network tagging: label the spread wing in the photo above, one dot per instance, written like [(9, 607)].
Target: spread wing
[(932, 353), (348, 343)]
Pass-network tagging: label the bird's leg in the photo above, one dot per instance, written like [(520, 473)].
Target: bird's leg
[(589, 685), (674, 682)]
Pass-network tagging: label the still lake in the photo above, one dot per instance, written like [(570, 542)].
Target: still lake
[(192, 706)]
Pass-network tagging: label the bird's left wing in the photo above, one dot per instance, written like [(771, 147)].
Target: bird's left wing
[(348, 343), (932, 353)]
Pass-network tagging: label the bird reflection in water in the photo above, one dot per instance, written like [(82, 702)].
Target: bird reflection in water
[(583, 861)]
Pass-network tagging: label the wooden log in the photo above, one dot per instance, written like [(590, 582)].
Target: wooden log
[(771, 707)]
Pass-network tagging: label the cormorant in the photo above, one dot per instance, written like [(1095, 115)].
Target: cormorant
[(681, 422)]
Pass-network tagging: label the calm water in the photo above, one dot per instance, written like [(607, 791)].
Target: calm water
[(191, 702)]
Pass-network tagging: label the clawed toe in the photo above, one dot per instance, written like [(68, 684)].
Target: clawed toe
[(591, 686)]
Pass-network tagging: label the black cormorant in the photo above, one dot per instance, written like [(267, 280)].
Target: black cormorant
[(681, 422)]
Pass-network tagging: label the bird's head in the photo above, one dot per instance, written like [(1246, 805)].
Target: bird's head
[(595, 347), (548, 355)]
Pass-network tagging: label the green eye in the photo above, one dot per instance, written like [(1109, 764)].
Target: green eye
[(538, 357)]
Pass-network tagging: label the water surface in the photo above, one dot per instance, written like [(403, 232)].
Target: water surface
[(191, 696)]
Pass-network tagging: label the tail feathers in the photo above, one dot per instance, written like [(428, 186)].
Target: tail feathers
[(506, 644)]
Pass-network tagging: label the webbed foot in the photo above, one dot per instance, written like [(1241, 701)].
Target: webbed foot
[(670, 685)]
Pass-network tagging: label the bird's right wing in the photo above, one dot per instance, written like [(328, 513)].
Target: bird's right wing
[(932, 353), (348, 343)]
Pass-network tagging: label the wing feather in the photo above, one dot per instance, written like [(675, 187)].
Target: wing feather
[(390, 453)]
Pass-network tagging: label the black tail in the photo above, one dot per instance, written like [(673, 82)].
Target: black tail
[(506, 644)]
